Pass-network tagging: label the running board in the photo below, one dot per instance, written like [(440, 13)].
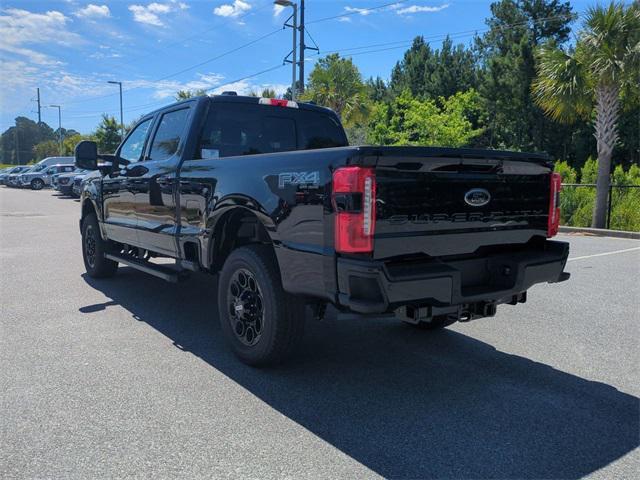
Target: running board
[(166, 273)]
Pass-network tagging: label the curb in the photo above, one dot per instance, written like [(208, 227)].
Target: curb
[(601, 232)]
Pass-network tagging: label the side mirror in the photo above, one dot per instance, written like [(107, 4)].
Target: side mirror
[(87, 155)]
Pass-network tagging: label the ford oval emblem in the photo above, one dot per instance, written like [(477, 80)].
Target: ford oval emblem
[(477, 197)]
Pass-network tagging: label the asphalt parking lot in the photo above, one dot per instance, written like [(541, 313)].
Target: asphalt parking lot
[(130, 377)]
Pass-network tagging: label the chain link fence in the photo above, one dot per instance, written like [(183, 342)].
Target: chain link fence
[(623, 206)]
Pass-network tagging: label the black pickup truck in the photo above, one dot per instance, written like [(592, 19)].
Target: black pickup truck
[(267, 194)]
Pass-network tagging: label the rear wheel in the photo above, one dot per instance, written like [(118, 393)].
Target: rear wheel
[(436, 323), (37, 184), (94, 248), (261, 322)]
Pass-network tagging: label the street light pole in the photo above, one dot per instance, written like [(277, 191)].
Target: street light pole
[(294, 27), (121, 115), (302, 49), (59, 126)]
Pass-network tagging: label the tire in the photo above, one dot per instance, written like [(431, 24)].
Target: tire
[(260, 321), (37, 184), (93, 249), (438, 323)]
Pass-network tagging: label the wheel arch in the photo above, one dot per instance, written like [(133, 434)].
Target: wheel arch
[(88, 206), (236, 227)]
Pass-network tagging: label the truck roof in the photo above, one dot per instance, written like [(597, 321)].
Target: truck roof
[(232, 98)]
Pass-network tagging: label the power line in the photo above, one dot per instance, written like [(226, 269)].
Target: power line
[(152, 52), (354, 12), (217, 57), (163, 101), (192, 67), (387, 45)]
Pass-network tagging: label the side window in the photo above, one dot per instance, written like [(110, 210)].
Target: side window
[(69, 169), (132, 148), (170, 132)]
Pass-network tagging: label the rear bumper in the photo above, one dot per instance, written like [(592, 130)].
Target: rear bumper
[(379, 287)]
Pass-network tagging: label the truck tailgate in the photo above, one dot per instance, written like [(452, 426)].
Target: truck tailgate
[(454, 201)]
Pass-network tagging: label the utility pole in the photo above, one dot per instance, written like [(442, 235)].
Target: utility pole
[(39, 108), (121, 116), (294, 27), (59, 126), (302, 49)]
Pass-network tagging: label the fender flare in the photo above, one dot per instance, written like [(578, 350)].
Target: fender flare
[(228, 207)]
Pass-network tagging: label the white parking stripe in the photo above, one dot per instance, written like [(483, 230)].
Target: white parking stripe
[(603, 254)]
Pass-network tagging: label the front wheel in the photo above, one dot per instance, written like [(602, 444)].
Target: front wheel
[(261, 322), (94, 248), (37, 184)]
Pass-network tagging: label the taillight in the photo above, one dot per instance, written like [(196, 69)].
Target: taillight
[(354, 202), (554, 205), (277, 102)]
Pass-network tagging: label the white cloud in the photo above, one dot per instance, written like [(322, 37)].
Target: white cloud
[(168, 88), (101, 55), (420, 9), (19, 80), (400, 8), (360, 11), (212, 82), (20, 27), (151, 14), (143, 15), (233, 10), (93, 11)]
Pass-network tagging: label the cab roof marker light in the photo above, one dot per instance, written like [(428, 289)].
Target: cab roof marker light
[(276, 102)]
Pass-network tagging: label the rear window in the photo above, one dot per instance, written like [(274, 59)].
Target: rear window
[(245, 129)]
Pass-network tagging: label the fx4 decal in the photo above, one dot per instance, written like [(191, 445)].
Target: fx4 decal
[(299, 178)]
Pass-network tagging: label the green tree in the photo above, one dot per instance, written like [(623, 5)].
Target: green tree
[(435, 73), (108, 134), (590, 79), (69, 143), (410, 72), (186, 94), (17, 142), (411, 121), (336, 83), (48, 148), (506, 51), (377, 90), (266, 93)]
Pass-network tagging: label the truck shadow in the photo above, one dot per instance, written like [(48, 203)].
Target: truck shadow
[(406, 404)]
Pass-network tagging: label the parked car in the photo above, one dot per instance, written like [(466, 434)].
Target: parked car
[(41, 178), (78, 183), (49, 161), (54, 177), (268, 195), (13, 179), (65, 181), (12, 170)]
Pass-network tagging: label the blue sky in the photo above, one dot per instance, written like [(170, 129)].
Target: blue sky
[(70, 48)]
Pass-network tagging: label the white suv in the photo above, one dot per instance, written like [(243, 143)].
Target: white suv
[(38, 178)]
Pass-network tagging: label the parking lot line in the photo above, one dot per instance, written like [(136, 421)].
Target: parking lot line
[(604, 254)]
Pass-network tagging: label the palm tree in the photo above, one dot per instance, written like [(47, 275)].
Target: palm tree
[(593, 76)]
